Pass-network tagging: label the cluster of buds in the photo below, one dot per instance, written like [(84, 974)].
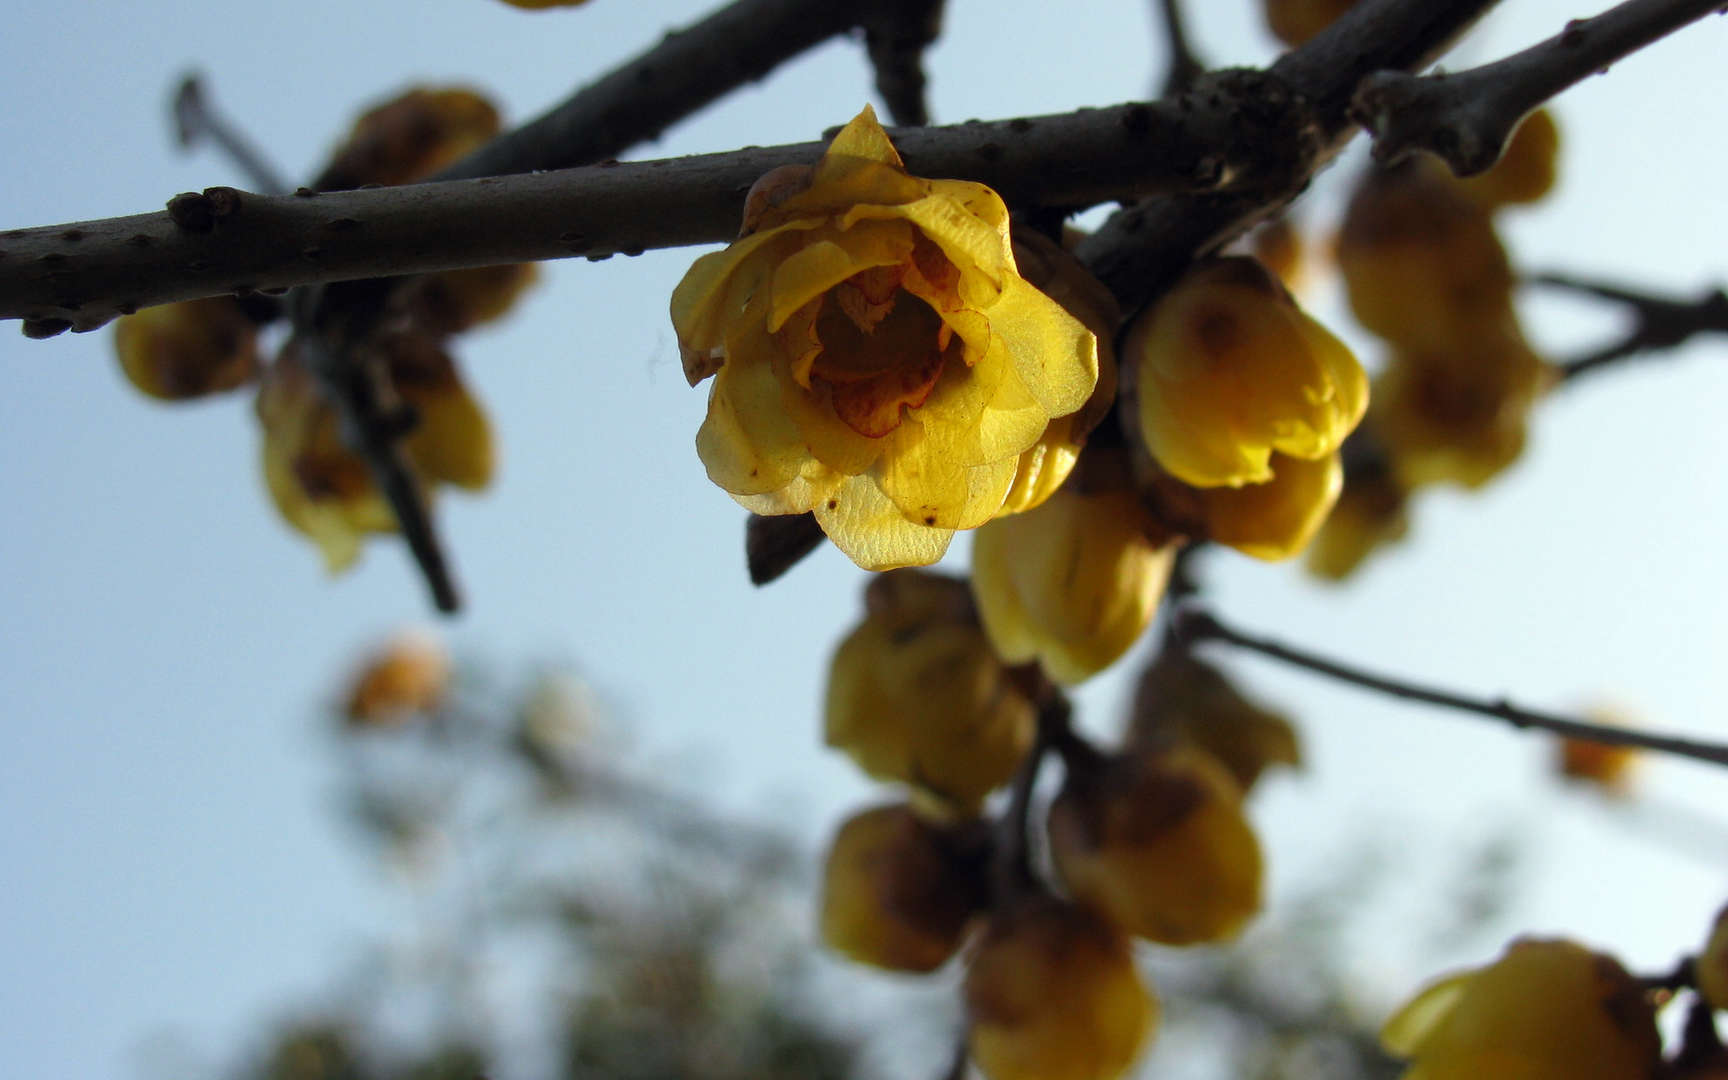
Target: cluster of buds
[(318, 482), (1426, 271)]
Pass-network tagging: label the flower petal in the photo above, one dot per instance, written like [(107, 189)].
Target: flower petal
[(1054, 353), (748, 443), (920, 474), (873, 532), (813, 270)]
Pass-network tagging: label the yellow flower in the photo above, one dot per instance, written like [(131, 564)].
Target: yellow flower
[(324, 489), (1525, 172), (1272, 520), (877, 357), (916, 695), (1182, 699), (1052, 994), (1157, 842), (408, 676), (1295, 21), (1228, 370), (1072, 583), (897, 891), (1457, 415), (188, 350), (1546, 1010), (409, 137), (1712, 964)]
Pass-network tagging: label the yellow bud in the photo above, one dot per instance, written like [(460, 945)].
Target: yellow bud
[(458, 300), (1525, 172), (1157, 842), (1371, 512), (1182, 699), (1052, 994), (1602, 766), (408, 676), (1073, 583), (410, 137), (1278, 246), (188, 350), (1421, 261), (897, 892), (1295, 21), (1712, 964), (1228, 370), (916, 695), (1457, 416), (1546, 1010), (452, 442), (1272, 520)]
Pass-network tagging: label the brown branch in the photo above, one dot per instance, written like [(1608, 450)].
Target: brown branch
[(195, 120), (1185, 66), (1658, 322), (685, 71), (1011, 866), (896, 33), (1140, 250), (1195, 625), (774, 545), (81, 275), (1466, 118)]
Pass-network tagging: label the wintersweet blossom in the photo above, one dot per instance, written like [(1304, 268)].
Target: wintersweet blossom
[(877, 357)]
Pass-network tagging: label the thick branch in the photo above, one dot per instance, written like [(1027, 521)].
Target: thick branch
[(1143, 248), (81, 275), (687, 70), (1194, 625), (1659, 322), (1466, 118)]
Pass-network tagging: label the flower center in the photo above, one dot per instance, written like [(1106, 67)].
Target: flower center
[(881, 350)]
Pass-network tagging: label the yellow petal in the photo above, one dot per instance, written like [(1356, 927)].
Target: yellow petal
[(873, 532), (713, 297), (864, 138), (813, 270), (984, 411), (1054, 353), (828, 438), (1417, 1021), (974, 244), (919, 473), (747, 442)]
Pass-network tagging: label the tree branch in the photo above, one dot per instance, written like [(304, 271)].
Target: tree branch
[(1658, 322), (79, 276), (1185, 66), (685, 71), (1196, 625), (1466, 118), (195, 119), (1143, 248), (896, 35)]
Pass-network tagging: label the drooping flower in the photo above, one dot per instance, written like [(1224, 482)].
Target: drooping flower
[(410, 137), (1272, 520), (877, 357), (898, 891), (1183, 700), (1052, 994), (192, 349), (1156, 841), (1228, 370), (1546, 1010), (916, 695), (1371, 512)]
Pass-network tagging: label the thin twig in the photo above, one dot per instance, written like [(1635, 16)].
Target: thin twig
[(86, 273), (896, 34), (1194, 624), (1466, 118), (1011, 869), (195, 119), (1185, 66), (373, 430), (1658, 321)]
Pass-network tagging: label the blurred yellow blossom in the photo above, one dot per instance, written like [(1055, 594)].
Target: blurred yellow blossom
[(1546, 1010), (877, 357), (1372, 511), (1228, 370), (1271, 520), (188, 350), (408, 675), (1525, 172), (1182, 699), (410, 137)]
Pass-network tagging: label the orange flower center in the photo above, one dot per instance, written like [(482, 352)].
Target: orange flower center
[(881, 350)]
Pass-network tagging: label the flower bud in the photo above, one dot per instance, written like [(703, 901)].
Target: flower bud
[(1073, 583), (409, 675), (1525, 172), (1371, 512), (1228, 370), (1157, 842), (1272, 520), (916, 695), (455, 301), (1052, 994), (1295, 21), (897, 891), (1182, 700), (1546, 1010), (410, 137), (187, 350), (1422, 263)]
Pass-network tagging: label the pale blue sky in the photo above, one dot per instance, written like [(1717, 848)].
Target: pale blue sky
[(171, 862)]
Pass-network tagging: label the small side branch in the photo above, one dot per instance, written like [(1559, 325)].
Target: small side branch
[(896, 34), (1185, 66), (1466, 118), (1195, 625), (1658, 322), (195, 120)]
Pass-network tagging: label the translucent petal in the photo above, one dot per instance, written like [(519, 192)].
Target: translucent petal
[(919, 473), (863, 137), (872, 531), (1054, 353), (748, 443), (1416, 1023), (828, 438), (984, 413), (825, 263)]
